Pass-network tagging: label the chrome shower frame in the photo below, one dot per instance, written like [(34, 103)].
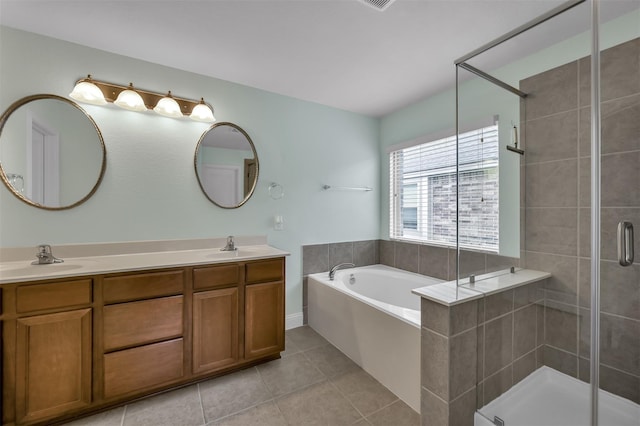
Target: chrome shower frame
[(595, 165)]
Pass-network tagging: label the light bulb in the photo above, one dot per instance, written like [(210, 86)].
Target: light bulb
[(202, 112), (86, 91), (131, 100), (168, 107)]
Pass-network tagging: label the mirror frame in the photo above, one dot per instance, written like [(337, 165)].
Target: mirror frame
[(5, 117), (255, 155)]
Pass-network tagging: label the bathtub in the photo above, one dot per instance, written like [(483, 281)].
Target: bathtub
[(550, 398), (370, 314)]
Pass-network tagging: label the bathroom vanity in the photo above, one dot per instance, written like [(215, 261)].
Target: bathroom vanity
[(75, 344)]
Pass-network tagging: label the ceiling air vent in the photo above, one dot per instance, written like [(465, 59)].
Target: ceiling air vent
[(378, 4)]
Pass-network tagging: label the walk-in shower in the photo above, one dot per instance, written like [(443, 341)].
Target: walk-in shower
[(565, 88)]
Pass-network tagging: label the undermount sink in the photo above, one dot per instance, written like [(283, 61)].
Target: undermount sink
[(20, 269), (240, 252)]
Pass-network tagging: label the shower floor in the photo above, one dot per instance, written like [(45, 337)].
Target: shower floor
[(549, 398)]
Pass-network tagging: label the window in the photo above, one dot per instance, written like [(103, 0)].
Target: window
[(423, 191)]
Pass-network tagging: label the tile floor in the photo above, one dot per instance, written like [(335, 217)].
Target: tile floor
[(312, 384)]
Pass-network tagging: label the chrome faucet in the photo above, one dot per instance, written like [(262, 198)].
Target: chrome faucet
[(231, 245), (332, 271), (45, 256)]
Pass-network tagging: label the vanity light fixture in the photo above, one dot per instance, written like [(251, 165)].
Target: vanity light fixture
[(130, 99), (95, 92), (202, 112), (168, 107), (86, 91)]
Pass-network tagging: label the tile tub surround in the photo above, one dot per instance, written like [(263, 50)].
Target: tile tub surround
[(318, 258), (439, 261), (486, 345), (557, 210), (433, 261), (313, 383)]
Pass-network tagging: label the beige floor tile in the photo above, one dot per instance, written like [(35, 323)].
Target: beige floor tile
[(108, 418), (232, 393), (267, 414), (396, 414), (306, 338), (290, 348), (180, 407), (288, 374), (320, 404), (364, 392), (330, 360)]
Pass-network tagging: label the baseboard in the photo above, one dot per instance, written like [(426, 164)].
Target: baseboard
[(293, 321)]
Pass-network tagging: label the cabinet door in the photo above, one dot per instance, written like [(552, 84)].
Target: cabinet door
[(215, 329), (264, 319), (53, 364)]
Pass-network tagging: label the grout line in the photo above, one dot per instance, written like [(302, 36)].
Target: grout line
[(475, 386), (346, 398), (124, 412), (435, 395), (554, 114), (513, 336), (244, 410), (383, 408), (204, 419)]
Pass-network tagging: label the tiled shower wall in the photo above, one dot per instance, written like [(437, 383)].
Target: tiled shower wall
[(556, 128)]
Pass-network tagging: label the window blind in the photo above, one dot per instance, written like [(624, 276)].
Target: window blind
[(423, 190)]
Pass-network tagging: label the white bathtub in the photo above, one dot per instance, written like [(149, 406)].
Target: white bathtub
[(375, 321), (549, 398)]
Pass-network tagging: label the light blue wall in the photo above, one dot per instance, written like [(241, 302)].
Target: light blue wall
[(150, 191)]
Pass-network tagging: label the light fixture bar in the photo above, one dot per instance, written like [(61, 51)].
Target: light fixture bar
[(151, 99)]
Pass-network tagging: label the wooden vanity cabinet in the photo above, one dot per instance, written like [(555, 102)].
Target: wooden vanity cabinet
[(216, 317), (48, 332), (264, 308), (142, 331), (75, 346)]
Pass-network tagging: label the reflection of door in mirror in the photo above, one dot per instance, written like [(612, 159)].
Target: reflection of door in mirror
[(222, 182), (250, 171), (226, 165), (43, 165)]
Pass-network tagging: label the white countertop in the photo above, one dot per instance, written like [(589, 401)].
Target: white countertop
[(450, 293), (20, 271)]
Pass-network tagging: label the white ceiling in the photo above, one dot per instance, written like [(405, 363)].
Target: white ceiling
[(340, 53)]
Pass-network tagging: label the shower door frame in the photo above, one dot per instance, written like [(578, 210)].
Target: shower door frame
[(595, 166)]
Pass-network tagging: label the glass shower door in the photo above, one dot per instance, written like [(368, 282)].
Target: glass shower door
[(618, 301)]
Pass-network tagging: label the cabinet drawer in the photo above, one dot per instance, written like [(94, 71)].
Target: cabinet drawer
[(142, 368), (53, 295), (216, 277), (143, 286), (265, 270), (136, 323)]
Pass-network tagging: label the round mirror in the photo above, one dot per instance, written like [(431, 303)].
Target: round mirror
[(226, 165), (52, 154)]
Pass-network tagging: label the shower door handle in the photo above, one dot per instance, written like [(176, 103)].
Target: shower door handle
[(625, 243)]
